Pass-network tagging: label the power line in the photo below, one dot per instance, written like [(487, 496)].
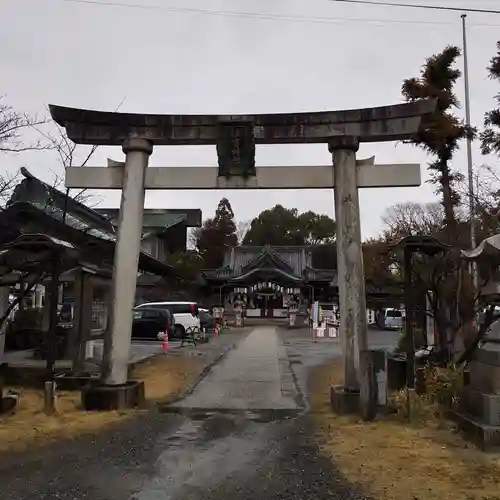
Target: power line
[(416, 6), (267, 16)]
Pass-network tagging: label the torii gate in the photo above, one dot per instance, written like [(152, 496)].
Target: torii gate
[(235, 137)]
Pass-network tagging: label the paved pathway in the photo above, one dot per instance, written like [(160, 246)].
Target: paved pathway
[(255, 376), (250, 452)]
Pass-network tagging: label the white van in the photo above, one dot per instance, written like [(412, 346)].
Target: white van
[(186, 314), (391, 319)]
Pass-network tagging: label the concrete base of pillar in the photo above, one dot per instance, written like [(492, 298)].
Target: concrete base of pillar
[(344, 401), (110, 397), (485, 437), (77, 381)]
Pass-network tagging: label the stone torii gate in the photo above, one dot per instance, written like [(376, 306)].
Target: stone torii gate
[(236, 137)]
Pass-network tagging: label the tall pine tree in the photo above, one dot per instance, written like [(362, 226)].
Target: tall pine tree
[(490, 137), (440, 134), (217, 235)]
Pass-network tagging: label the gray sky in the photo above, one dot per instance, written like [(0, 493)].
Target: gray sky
[(306, 55)]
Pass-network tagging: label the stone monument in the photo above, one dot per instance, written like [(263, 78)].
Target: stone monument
[(479, 408)]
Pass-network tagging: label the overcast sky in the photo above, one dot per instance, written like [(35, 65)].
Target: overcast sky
[(275, 56)]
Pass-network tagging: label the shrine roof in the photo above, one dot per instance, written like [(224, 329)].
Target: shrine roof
[(160, 218), (62, 217), (293, 263), (50, 200)]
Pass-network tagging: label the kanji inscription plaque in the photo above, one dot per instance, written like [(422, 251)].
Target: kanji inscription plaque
[(236, 150)]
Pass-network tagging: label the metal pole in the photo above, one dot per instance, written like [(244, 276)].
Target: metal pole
[(469, 153)]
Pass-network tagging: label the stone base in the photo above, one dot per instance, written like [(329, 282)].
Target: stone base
[(486, 378), (485, 437), (113, 397), (76, 381), (481, 405), (344, 401)]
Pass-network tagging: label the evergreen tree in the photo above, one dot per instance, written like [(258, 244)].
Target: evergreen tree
[(490, 137), (217, 235), (440, 133), (285, 226)]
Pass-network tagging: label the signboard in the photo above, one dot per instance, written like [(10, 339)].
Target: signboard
[(266, 286), (315, 313), (218, 312), (429, 320), (236, 150)]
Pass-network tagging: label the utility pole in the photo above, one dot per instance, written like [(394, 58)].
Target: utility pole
[(469, 154)]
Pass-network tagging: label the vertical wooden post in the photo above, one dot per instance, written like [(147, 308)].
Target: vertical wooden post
[(51, 334), (4, 306), (409, 333)]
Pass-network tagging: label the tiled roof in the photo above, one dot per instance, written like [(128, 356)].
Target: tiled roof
[(38, 198), (297, 258), (53, 202), (160, 218), (292, 262)]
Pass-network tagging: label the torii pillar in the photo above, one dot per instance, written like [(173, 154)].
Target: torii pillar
[(351, 280), (116, 350)]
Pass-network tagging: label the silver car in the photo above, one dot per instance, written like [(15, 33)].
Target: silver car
[(392, 319)]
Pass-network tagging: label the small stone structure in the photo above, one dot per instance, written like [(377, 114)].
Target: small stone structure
[(479, 410)]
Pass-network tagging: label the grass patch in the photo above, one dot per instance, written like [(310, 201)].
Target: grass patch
[(391, 459), (164, 377)]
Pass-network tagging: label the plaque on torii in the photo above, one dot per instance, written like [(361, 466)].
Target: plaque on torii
[(235, 137), (236, 150)]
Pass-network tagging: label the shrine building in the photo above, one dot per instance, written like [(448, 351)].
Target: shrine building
[(267, 280)]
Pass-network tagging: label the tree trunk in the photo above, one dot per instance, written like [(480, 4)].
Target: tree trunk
[(448, 204)]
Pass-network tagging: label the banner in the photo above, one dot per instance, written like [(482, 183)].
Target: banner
[(315, 314)]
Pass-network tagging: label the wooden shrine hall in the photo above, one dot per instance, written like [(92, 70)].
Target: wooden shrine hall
[(267, 280)]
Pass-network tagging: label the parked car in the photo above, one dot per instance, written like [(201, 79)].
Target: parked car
[(186, 314), (390, 318), (151, 324)]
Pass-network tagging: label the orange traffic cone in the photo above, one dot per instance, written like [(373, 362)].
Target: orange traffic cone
[(164, 346)]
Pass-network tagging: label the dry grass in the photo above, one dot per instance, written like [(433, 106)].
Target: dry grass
[(164, 377), (391, 459), (168, 377)]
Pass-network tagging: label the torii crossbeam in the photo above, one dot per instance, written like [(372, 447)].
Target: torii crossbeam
[(283, 177)]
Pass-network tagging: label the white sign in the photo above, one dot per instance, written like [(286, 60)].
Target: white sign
[(266, 286), (218, 312)]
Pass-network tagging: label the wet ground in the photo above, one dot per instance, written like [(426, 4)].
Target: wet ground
[(242, 434)]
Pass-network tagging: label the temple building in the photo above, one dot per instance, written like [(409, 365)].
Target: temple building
[(267, 280)]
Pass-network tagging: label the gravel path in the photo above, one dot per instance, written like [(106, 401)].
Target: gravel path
[(193, 455)]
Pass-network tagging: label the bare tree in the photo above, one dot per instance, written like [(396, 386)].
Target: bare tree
[(7, 185), (13, 125), (70, 154), (406, 219), (486, 201)]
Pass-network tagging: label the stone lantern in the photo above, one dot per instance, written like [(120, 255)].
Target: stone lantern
[(479, 410)]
